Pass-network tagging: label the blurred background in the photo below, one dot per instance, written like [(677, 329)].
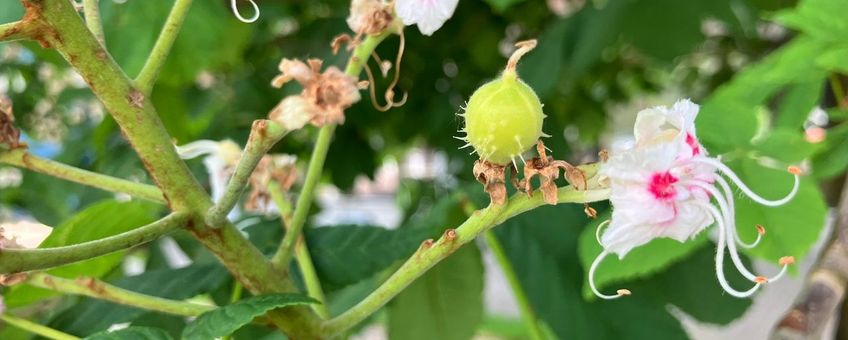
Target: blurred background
[(770, 76)]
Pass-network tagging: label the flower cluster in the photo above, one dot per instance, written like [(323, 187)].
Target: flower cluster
[(324, 98), (664, 186)]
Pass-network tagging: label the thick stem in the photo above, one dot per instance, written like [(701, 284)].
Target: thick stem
[(13, 31), (23, 159), (57, 24), (101, 290), (263, 135), (319, 154), (147, 77), (825, 289), (35, 328), (21, 260), (304, 261), (431, 252), (523, 303), (91, 9)]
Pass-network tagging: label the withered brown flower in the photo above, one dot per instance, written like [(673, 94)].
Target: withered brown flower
[(493, 178), (9, 134), (369, 17), (279, 168), (324, 98), (547, 169)]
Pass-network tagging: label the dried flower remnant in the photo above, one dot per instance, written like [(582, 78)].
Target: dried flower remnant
[(370, 17), (493, 177), (279, 168), (663, 187), (324, 98), (547, 169), (9, 134)]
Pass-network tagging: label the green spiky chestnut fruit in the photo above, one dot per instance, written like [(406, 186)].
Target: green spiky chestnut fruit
[(503, 118)]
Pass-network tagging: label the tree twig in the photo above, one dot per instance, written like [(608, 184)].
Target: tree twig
[(103, 291), (23, 159), (35, 328), (825, 287), (150, 71), (21, 260), (91, 9)]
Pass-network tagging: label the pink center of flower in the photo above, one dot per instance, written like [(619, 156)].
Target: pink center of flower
[(693, 143), (662, 186)]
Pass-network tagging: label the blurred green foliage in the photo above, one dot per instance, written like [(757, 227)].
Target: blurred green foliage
[(757, 82)]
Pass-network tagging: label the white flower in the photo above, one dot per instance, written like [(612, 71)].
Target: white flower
[(663, 187), (23, 234), (220, 161), (429, 15)]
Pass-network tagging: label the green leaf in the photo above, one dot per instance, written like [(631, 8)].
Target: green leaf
[(791, 229), (641, 262), (728, 118), (834, 60), (800, 99), (92, 315), (97, 221), (445, 303), (226, 320), (132, 333), (346, 254), (834, 159), (822, 19), (786, 145)]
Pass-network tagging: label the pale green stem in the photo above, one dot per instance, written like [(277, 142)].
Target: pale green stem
[(523, 303), (35, 328), (431, 253), (304, 261), (12, 31), (147, 77), (91, 9), (263, 135), (140, 123), (22, 158), (319, 154), (21, 260), (101, 290)]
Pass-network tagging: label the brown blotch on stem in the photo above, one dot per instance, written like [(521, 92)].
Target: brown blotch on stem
[(136, 98), (450, 235)]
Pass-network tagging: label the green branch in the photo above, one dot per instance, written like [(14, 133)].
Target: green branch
[(62, 28), (21, 260), (263, 135), (523, 303), (23, 159), (319, 155), (101, 290), (147, 77), (304, 260), (431, 253), (91, 9), (35, 328), (12, 31)]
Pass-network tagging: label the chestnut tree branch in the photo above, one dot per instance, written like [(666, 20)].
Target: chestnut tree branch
[(150, 71)]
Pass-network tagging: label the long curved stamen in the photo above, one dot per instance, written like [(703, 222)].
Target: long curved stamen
[(732, 215), (750, 193), (727, 226), (197, 148), (236, 12), (619, 293), (598, 230), (719, 259)]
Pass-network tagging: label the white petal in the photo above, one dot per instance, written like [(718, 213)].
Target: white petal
[(197, 148), (24, 234), (430, 15)]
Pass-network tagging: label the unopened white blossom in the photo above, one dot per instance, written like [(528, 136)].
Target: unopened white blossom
[(666, 185)]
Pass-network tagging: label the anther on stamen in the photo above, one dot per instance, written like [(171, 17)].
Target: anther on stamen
[(760, 229), (786, 260), (760, 279), (794, 170), (590, 212), (623, 292)]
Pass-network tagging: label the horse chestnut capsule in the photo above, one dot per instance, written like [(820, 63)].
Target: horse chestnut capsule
[(503, 118)]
